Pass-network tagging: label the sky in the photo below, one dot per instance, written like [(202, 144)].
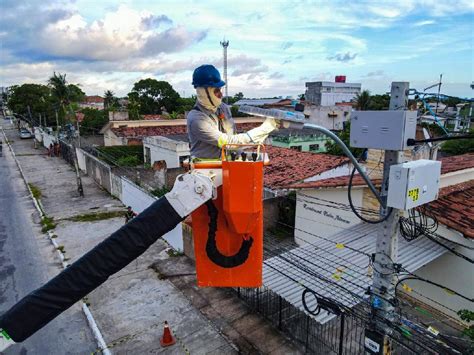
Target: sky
[(275, 47)]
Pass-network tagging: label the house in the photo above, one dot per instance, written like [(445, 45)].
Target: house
[(322, 204), (326, 93), (173, 150), (303, 140), (95, 101), (330, 117), (132, 132), (290, 166), (275, 103)]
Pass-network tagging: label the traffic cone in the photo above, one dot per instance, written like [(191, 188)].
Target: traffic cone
[(167, 339)]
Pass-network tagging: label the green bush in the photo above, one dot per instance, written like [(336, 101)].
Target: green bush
[(128, 155), (128, 161), (160, 191), (458, 146)]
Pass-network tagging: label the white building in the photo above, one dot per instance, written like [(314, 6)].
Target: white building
[(322, 214), (173, 152), (330, 117), (326, 93)]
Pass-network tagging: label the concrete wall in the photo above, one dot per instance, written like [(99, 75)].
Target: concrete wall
[(81, 160), (315, 217), (139, 199), (99, 171), (116, 186)]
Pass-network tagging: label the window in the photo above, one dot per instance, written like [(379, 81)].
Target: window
[(313, 147), (296, 147)]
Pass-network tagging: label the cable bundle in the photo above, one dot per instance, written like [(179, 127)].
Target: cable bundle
[(417, 223)]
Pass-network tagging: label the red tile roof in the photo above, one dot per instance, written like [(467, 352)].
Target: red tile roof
[(135, 132), (457, 162), (289, 166), (455, 208), (448, 165), (151, 117), (91, 99)]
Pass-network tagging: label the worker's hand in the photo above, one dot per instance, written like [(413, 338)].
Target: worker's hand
[(259, 134)]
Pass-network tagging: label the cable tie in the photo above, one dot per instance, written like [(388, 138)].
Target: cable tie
[(340, 246)]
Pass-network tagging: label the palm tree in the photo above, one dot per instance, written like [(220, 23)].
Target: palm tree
[(109, 99), (362, 100), (60, 92)]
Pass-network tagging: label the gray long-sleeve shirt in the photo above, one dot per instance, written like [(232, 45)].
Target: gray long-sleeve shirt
[(208, 133)]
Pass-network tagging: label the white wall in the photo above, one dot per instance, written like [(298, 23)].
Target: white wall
[(139, 199), (81, 160), (312, 216), (162, 148), (342, 170), (320, 115)]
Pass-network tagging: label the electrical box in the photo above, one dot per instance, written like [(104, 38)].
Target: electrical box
[(413, 183), (387, 130)]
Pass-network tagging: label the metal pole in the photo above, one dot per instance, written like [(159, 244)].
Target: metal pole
[(387, 238), (341, 334)]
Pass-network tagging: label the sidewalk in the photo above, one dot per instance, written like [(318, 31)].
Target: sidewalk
[(132, 305)]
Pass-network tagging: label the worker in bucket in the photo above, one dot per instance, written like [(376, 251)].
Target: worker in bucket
[(210, 123)]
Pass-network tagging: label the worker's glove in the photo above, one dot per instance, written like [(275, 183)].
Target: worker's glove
[(190, 191), (259, 134), (5, 341)]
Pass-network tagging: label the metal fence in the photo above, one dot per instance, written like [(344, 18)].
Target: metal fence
[(342, 335)]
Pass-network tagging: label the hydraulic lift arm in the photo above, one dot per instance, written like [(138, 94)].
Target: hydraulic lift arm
[(35, 310)]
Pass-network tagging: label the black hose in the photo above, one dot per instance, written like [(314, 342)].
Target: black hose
[(41, 306), (351, 204), (211, 246)]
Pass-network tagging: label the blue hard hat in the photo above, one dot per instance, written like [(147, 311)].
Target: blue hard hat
[(207, 76)]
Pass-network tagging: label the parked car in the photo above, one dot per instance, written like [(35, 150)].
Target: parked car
[(25, 134)]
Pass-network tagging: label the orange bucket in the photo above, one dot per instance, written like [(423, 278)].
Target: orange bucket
[(228, 231)]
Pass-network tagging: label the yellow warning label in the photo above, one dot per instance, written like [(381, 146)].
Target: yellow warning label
[(414, 194)]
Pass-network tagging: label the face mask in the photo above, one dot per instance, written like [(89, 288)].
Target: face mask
[(207, 98)]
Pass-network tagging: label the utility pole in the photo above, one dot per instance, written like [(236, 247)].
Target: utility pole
[(224, 45), (387, 238)]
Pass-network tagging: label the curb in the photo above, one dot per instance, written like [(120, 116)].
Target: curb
[(90, 319)]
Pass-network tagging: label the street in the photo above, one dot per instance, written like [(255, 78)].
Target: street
[(27, 260)]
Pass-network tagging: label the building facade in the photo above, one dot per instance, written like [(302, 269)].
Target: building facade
[(326, 93)]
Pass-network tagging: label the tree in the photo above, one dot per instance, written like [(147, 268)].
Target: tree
[(152, 95), (362, 100), (344, 135), (75, 93), (110, 101), (186, 104), (35, 96), (93, 121), (133, 106), (379, 102)]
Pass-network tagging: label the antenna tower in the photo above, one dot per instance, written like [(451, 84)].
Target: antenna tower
[(224, 45)]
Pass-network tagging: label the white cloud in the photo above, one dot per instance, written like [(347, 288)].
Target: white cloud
[(423, 23)]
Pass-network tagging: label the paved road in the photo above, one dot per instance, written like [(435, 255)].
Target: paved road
[(27, 260)]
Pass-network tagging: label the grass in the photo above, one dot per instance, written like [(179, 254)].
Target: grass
[(174, 253), (47, 223), (99, 216), (35, 191)]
